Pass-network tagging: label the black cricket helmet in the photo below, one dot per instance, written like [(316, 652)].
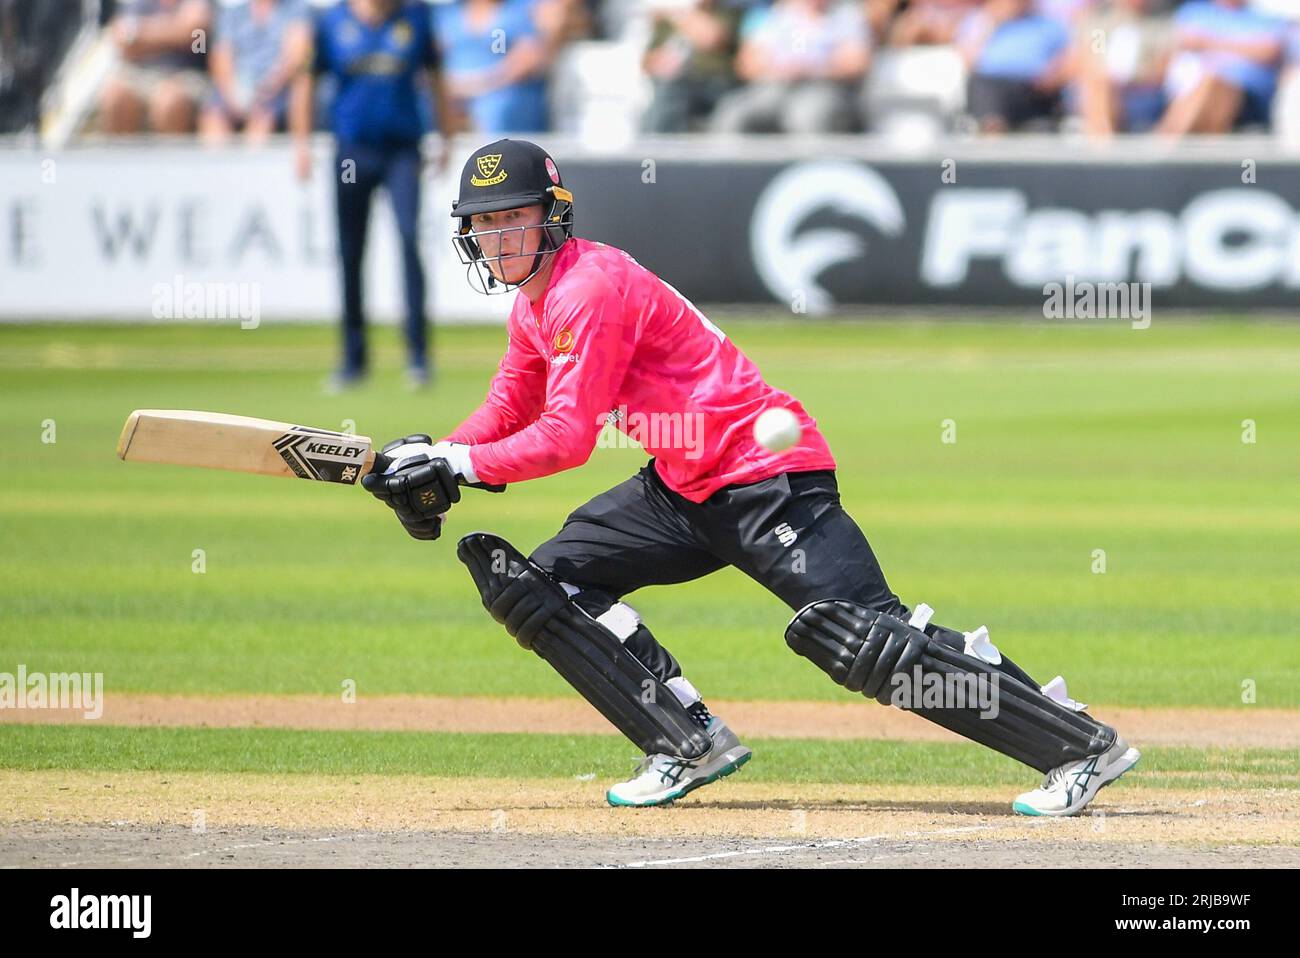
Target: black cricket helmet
[(503, 176)]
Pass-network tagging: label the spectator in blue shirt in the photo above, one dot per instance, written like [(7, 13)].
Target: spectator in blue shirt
[(1018, 62), (258, 44), (1225, 68), (495, 59), (381, 54)]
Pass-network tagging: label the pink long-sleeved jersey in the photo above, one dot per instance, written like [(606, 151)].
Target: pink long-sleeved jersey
[(611, 342)]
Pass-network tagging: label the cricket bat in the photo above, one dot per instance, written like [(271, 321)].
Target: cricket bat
[(215, 440)]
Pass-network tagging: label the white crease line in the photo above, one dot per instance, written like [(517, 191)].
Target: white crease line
[(807, 846), (857, 861), (290, 841), (198, 854)]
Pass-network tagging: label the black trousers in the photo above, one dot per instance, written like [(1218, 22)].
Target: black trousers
[(789, 533)]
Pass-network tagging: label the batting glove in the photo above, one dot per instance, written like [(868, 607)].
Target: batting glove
[(418, 488)]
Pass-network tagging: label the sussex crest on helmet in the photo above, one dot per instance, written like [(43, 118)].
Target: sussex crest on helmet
[(488, 167)]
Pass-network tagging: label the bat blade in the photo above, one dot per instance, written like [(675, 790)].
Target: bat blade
[(214, 440)]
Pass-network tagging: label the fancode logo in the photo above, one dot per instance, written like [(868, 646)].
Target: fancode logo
[(789, 258), (487, 167)]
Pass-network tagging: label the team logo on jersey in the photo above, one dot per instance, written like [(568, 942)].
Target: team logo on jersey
[(489, 174), (564, 341), (400, 35)]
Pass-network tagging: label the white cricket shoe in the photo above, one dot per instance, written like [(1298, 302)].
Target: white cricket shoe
[(661, 779), (1069, 787)]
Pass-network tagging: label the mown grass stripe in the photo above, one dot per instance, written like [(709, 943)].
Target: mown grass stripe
[(282, 751)]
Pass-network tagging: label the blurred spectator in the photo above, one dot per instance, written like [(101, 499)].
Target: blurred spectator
[(1018, 61), (688, 61), (383, 56), (1068, 12), (495, 58), (1286, 108), (258, 45), (1225, 68), (880, 14), (803, 62), (161, 43), (1123, 53), (930, 22), (562, 21)]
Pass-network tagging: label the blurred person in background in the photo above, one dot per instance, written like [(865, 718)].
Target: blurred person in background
[(1286, 108), (258, 45), (688, 61), (1069, 12), (562, 21), (1018, 60), (496, 58), (930, 22), (1123, 52), (803, 63), (1225, 67), (880, 16), (383, 57), (161, 76)]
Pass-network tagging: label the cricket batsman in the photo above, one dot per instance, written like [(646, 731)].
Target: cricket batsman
[(595, 338)]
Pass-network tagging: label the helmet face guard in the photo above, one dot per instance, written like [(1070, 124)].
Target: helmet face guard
[(555, 229)]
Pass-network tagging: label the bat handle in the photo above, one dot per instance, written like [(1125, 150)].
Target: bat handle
[(486, 486)]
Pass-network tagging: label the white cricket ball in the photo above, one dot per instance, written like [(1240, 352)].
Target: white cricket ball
[(777, 429)]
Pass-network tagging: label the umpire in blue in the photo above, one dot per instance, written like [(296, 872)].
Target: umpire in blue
[(382, 56)]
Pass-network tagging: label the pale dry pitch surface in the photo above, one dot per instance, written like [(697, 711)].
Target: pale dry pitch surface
[(126, 819), (80, 818)]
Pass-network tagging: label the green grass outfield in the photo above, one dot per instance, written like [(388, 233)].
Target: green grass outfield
[(606, 757), (1070, 439)]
